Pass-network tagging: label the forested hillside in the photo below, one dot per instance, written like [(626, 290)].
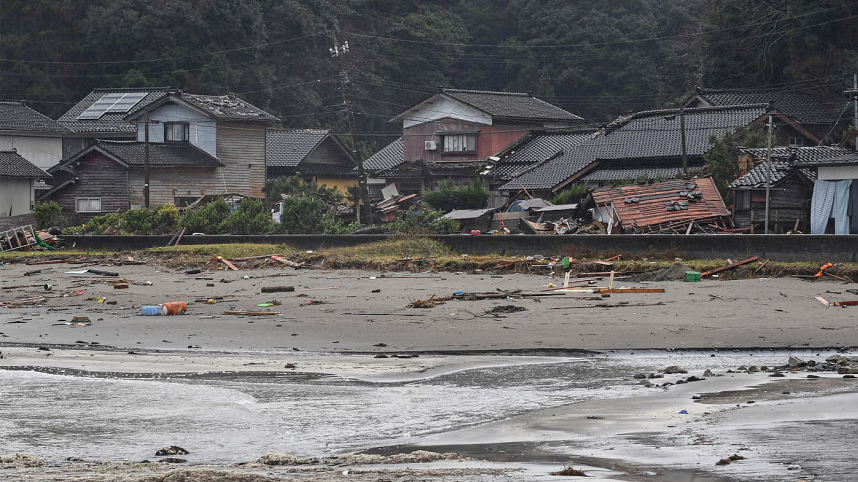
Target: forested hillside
[(595, 58)]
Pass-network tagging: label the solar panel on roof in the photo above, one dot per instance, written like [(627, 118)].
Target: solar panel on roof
[(118, 102)]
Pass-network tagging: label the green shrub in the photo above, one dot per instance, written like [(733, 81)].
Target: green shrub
[(137, 221), (47, 214), (333, 225), (449, 197), (165, 219), (73, 230), (302, 215), (108, 223), (250, 217), (571, 195), (207, 218), (422, 219)]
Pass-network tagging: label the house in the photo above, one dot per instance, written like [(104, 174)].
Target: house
[(803, 119), (792, 177), (674, 206), (643, 146), (102, 115), (107, 177), (452, 135), (835, 194), (35, 137), (197, 145), (310, 154), (17, 197)]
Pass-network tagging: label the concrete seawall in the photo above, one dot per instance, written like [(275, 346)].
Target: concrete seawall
[(817, 248)]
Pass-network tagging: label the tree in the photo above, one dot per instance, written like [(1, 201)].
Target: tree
[(722, 158)]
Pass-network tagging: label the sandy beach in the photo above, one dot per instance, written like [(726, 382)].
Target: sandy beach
[(357, 326)]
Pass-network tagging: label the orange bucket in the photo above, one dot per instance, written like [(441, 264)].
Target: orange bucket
[(175, 307)]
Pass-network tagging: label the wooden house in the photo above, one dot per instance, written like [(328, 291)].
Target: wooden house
[(17, 195), (310, 154), (35, 137)]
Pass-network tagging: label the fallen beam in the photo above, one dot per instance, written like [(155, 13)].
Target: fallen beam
[(629, 290), (729, 266)]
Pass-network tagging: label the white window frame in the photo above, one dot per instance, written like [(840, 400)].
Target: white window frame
[(454, 143), (172, 128), (88, 200), (797, 141)]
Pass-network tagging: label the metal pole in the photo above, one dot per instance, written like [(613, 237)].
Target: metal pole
[(855, 90), (682, 139), (768, 174), (146, 162)]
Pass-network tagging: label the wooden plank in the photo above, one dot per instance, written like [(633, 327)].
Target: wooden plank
[(729, 266), (629, 290), (823, 301), (846, 303), (285, 261), (251, 313), (227, 263)]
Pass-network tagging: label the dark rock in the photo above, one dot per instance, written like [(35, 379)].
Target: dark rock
[(777, 375), (796, 362), (673, 369), (640, 376), (708, 373), (848, 376), (813, 376), (173, 460), (381, 356), (692, 378), (171, 450)]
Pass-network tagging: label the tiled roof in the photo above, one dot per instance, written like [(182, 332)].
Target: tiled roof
[(620, 174), (644, 135), (535, 148), (13, 165), (227, 107), (161, 154), (801, 106), (15, 116), (422, 168), (647, 204), (511, 105), (391, 155), (844, 159), (288, 147), (801, 155), (110, 122), (781, 169)]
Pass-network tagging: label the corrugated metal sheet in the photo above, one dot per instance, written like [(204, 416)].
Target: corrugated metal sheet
[(647, 205)]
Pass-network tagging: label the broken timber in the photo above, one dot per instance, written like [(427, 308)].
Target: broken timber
[(729, 266), (227, 263)]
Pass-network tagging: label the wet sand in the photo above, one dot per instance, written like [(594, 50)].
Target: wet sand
[(337, 322)]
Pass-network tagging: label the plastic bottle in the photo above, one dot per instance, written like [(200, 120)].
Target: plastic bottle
[(150, 310)]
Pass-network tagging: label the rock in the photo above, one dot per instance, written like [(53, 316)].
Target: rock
[(847, 371), (848, 376), (813, 376), (692, 378), (206, 475), (172, 460), (171, 450), (794, 467), (708, 373), (656, 375), (777, 375), (673, 369), (753, 369), (796, 362), (640, 376), (837, 359), (279, 459)]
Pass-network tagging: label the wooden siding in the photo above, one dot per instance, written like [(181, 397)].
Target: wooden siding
[(168, 183), (241, 147), (98, 177), (490, 140), (788, 202)]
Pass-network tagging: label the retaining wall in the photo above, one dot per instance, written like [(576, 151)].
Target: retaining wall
[(821, 248)]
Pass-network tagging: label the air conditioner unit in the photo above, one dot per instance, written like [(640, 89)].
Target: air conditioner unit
[(430, 145)]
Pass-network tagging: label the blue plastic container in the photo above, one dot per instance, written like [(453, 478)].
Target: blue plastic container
[(150, 310)]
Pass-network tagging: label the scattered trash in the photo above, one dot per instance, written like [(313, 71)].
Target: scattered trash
[(278, 289), (684, 412), (120, 286), (174, 308), (150, 310), (692, 276), (48, 287), (729, 266), (569, 471), (251, 313), (171, 450), (81, 321), (193, 271)]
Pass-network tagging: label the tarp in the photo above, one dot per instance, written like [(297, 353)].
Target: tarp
[(820, 206)]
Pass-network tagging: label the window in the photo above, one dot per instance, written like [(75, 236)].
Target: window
[(87, 205), (176, 132), (460, 143), (796, 142)]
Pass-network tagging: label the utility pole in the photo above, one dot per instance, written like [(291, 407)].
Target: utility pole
[(146, 161), (853, 92), (768, 173), (682, 139), (336, 52)]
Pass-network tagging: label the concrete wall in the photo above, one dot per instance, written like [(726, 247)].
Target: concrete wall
[(17, 221), (816, 248), (16, 196)]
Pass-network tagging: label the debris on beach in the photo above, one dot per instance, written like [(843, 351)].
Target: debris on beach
[(22, 461), (171, 450), (729, 460), (570, 472), (417, 456)]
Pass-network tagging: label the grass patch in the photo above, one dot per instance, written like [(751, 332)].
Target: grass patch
[(241, 250)]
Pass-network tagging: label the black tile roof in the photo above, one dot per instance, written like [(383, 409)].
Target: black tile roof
[(111, 122), (422, 168), (621, 174), (391, 155), (13, 165), (801, 106), (288, 147), (644, 135), (800, 155), (849, 159), (511, 105), (781, 169), (16, 116), (226, 107), (535, 148), (161, 154)]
